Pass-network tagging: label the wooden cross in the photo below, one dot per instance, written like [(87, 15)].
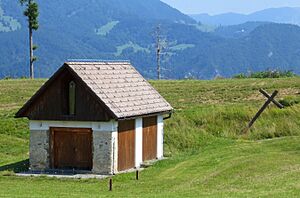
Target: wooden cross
[(271, 98)]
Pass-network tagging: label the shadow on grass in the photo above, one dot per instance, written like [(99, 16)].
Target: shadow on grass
[(16, 167)]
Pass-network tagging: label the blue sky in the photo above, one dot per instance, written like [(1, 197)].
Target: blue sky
[(222, 6)]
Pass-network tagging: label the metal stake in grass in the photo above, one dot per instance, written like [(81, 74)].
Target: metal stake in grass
[(270, 99)]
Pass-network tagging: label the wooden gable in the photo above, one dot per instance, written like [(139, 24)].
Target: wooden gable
[(51, 102)]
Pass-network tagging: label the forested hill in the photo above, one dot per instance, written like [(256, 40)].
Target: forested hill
[(102, 29), (116, 29)]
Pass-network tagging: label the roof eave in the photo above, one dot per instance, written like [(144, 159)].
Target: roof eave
[(145, 115)]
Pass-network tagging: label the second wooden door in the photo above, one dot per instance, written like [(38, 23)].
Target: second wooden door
[(126, 145), (149, 138)]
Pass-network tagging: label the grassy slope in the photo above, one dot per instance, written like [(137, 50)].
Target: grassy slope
[(209, 155), (14, 134), (223, 108)]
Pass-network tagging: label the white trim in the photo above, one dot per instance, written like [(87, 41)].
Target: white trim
[(115, 152), (95, 126), (138, 142), (160, 136)]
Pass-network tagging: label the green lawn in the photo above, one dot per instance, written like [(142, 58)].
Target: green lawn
[(268, 168), (207, 154)]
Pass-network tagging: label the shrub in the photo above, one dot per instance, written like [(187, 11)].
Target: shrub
[(240, 76), (267, 74), (289, 101), (7, 78)]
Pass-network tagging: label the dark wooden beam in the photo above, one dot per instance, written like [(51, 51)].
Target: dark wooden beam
[(274, 101), (270, 99)]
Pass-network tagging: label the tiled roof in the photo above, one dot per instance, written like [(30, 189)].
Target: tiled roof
[(122, 89)]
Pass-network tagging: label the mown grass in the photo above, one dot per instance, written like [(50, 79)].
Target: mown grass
[(224, 168), (223, 108), (208, 155), (14, 133)]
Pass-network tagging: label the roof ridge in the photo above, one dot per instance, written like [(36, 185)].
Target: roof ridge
[(97, 60), (132, 85), (111, 102)]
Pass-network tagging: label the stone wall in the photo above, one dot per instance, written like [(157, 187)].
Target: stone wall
[(39, 150), (105, 143), (103, 152), (104, 135)]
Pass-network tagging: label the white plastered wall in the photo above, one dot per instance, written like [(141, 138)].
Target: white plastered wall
[(138, 142), (160, 137), (95, 126), (115, 151)]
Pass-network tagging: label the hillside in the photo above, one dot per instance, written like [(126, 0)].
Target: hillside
[(118, 30), (276, 15), (268, 46), (102, 30), (207, 154), (238, 31)]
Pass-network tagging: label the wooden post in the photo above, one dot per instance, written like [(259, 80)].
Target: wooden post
[(274, 101), (270, 99), (110, 184), (137, 175)]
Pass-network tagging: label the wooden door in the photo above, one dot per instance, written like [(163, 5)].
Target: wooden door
[(149, 138), (126, 145), (71, 148)]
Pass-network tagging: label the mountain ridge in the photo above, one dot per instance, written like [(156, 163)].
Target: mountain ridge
[(70, 30), (289, 15)]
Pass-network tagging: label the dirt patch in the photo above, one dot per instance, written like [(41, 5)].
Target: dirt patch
[(9, 106), (288, 92)]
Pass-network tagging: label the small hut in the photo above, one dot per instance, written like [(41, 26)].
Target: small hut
[(103, 117)]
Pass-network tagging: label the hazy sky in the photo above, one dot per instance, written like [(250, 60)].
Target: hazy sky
[(221, 6)]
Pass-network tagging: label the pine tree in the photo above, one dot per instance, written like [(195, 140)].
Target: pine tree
[(32, 13)]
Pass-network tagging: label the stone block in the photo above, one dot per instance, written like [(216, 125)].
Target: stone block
[(102, 152), (39, 150)]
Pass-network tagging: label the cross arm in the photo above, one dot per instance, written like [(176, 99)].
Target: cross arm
[(273, 100)]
